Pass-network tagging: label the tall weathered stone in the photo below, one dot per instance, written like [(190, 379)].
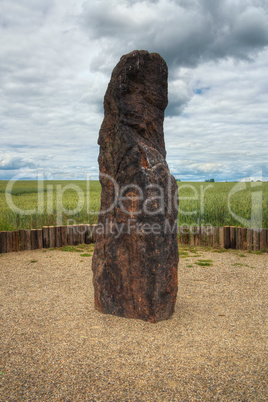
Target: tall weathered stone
[(136, 254)]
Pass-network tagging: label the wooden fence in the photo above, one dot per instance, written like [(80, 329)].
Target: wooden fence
[(47, 237), (59, 236), (224, 237)]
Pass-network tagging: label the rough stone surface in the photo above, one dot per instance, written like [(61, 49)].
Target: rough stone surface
[(136, 254)]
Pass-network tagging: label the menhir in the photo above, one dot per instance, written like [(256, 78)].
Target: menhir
[(136, 254)]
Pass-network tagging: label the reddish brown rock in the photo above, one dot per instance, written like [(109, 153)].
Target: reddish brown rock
[(136, 254)]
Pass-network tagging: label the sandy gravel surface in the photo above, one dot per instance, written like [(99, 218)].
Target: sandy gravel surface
[(56, 347)]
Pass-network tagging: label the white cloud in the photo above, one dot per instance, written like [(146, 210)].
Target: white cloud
[(14, 162)]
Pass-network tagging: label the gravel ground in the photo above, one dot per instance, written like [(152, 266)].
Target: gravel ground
[(56, 347)]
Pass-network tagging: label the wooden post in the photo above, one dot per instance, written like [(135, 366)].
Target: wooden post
[(70, 235), (192, 235), (45, 237), (76, 235), (63, 233), (33, 239), (15, 240), (215, 237), (39, 238), (21, 239), (88, 234), (243, 242), (3, 242), (58, 236), (94, 233), (198, 236), (226, 231), (82, 233), (256, 240), (209, 230), (182, 239), (232, 237), (185, 234), (9, 242), (249, 239), (179, 233), (263, 239), (27, 239), (221, 237), (238, 238), (204, 237), (51, 234)]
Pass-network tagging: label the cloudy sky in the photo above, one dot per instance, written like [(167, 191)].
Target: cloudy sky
[(56, 58)]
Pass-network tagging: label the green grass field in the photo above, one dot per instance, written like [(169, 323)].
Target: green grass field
[(51, 203)]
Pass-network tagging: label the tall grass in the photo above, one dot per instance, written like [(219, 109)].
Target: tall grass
[(200, 203), (214, 203)]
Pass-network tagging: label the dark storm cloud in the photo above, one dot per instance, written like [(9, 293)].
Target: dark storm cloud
[(185, 33)]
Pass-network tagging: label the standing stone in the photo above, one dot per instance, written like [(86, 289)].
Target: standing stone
[(136, 253)]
